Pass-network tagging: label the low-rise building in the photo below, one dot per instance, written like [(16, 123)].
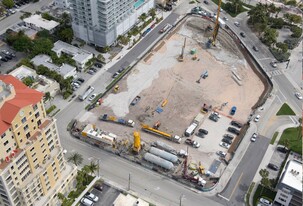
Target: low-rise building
[(129, 200), (80, 56), (38, 23), (289, 187), (42, 83), (65, 70)]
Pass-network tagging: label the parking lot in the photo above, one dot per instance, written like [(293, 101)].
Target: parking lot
[(6, 66)]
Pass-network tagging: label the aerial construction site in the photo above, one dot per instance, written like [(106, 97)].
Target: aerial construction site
[(171, 95)]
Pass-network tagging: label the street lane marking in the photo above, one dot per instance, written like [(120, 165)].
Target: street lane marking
[(236, 186), (225, 198)]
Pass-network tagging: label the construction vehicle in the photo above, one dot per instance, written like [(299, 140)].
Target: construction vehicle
[(137, 142), (116, 88), (205, 109), (92, 132), (114, 119), (180, 58), (157, 125), (135, 100), (174, 138), (218, 22)]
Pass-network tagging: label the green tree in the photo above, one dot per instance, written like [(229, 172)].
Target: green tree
[(272, 9), (47, 16), (8, 3), (264, 181), (66, 34), (28, 81), (22, 44), (65, 19), (260, 28), (282, 47), (92, 168), (44, 34), (291, 2), (42, 46), (258, 14), (61, 197), (142, 17), (296, 31), (152, 12), (293, 18), (278, 10), (75, 158), (270, 36), (277, 23), (25, 62)]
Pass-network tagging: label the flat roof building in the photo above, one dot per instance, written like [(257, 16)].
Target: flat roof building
[(65, 70), (289, 187), (80, 56), (38, 23)]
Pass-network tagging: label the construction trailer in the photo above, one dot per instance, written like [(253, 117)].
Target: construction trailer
[(92, 132), (174, 138)]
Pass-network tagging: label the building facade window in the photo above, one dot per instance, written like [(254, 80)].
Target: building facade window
[(23, 120)]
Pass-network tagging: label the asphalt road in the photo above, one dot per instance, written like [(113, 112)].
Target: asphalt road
[(238, 185)]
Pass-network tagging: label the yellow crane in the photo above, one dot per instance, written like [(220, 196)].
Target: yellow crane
[(217, 24)]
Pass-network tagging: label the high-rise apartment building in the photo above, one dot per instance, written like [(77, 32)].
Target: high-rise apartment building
[(100, 22), (32, 167)]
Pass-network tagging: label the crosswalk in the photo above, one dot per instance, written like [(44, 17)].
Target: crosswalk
[(275, 72)]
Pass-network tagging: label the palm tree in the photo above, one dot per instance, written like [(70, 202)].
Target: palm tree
[(265, 181), (61, 197), (75, 158), (92, 167)]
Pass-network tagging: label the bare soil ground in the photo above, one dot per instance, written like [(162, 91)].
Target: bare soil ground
[(161, 76)]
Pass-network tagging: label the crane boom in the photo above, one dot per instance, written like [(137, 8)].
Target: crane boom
[(217, 25)]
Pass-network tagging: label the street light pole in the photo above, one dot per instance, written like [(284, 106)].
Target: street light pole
[(181, 196), (98, 167)]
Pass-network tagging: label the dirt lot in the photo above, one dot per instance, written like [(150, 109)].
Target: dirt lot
[(161, 76)]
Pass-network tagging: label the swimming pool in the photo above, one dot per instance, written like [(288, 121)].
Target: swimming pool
[(138, 3)]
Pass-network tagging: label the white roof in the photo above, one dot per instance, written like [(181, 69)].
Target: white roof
[(23, 72), (79, 55), (38, 21), (293, 175), (129, 200)]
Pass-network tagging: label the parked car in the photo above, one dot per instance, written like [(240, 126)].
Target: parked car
[(98, 187), (253, 137), (99, 65), (233, 110), (257, 118), (92, 97), (273, 64), (192, 143), (203, 131), (242, 34), (3, 59), (87, 202), (224, 145), (233, 130), (115, 75), (200, 134), (298, 95), (236, 124), (282, 149), (226, 140), (213, 117), (91, 196), (273, 166), (228, 136), (221, 154), (265, 202), (135, 100), (94, 69), (225, 18), (121, 70), (205, 2), (90, 72), (80, 80), (237, 24)]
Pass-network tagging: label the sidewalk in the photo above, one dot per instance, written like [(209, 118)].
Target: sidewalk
[(269, 153)]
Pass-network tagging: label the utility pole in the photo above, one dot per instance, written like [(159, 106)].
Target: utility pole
[(129, 181), (98, 167), (181, 196)]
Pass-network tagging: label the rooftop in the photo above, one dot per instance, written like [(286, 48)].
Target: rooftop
[(129, 200), (293, 175), (23, 97), (23, 72), (38, 21), (79, 55)]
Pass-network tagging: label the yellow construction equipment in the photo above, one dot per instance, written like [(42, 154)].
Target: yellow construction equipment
[(180, 58), (201, 169), (164, 103), (217, 24), (116, 88), (174, 138), (137, 142)]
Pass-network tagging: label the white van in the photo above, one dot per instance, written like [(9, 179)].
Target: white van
[(190, 130), (87, 202)]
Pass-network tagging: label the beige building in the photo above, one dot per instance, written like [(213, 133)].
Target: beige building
[(42, 84), (32, 167)]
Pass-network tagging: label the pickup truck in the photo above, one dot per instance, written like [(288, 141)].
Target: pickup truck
[(192, 143)]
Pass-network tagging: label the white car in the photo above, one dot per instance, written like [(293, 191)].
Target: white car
[(273, 64), (217, 114), (92, 97), (224, 145), (237, 24), (225, 18), (221, 154), (298, 95), (253, 137), (91, 196), (265, 202), (257, 118)]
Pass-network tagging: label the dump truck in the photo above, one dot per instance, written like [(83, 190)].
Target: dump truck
[(114, 119), (174, 138)]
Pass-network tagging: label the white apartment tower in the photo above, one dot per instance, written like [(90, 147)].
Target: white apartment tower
[(32, 167), (100, 22)]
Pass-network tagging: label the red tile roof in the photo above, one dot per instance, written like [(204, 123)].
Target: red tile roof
[(24, 96)]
